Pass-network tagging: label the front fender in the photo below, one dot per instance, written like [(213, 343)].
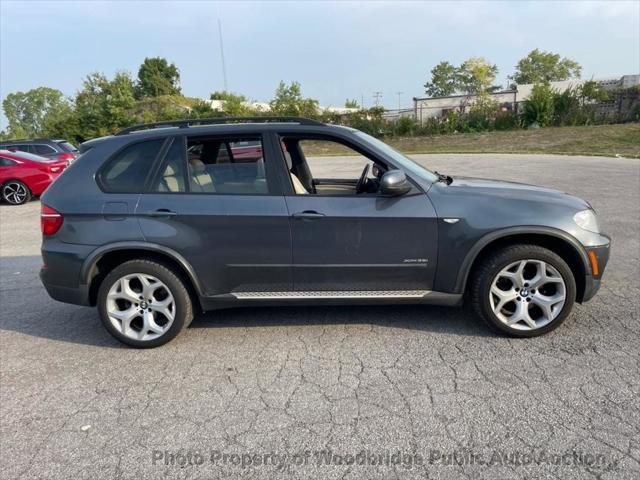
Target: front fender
[(456, 283)]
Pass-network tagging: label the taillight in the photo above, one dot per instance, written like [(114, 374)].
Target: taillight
[(66, 156), (50, 220)]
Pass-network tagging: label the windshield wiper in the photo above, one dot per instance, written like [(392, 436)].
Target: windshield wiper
[(444, 178)]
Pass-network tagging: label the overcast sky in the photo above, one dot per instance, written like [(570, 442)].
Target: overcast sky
[(334, 49)]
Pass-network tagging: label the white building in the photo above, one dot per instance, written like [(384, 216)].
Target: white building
[(430, 107), (437, 107)]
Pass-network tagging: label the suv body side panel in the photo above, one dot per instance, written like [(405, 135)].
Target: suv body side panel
[(233, 242)]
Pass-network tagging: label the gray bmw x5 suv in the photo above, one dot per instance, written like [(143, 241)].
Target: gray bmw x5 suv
[(162, 220)]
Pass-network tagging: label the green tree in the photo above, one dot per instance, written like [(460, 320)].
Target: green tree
[(103, 106), (543, 67), (157, 77), (288, 100), (29, 113), (476, 76), (351, 103), (234, 105), (593, 91), (444, 80), (203, 110)]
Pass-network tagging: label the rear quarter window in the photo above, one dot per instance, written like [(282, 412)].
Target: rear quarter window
[(127, 170), (68, 147)]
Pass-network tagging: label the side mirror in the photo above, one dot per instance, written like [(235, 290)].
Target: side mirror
[(394, 183)]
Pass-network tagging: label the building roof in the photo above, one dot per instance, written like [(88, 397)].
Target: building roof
[(501, 92)]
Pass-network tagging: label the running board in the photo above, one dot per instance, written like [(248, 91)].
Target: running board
[(331, 294)]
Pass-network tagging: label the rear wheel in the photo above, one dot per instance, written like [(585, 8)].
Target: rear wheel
[(15, 192), (144, 304), (523, 290)]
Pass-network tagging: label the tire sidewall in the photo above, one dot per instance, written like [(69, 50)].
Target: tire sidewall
[(173, 283), (508, 256)]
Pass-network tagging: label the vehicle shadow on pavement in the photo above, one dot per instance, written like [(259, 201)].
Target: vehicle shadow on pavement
[(37, 315), (426, 318)]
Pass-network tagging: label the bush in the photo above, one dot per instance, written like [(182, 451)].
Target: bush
[(540, 106), (507, 120), (405, 126)]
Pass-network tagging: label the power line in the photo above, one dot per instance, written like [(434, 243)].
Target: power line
[(377, 96)]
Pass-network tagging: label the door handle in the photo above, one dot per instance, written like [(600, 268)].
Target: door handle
[(308, 215), (162, 212)]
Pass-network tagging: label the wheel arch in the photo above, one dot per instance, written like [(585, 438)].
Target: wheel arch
[(559, 242), (21, 180), (106, 258)]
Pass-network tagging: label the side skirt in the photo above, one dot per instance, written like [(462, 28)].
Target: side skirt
[(306, 298)]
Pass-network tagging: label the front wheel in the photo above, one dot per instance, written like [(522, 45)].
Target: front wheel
[(144, 304), (523, 290)]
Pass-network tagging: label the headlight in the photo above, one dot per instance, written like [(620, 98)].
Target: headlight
[(587, 220)]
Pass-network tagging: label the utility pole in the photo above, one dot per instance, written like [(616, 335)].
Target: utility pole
[(377, 96), (399, 94), (224, 68)]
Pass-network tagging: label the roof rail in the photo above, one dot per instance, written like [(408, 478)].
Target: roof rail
[(218, 120)]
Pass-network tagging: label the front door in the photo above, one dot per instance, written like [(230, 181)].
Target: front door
[(344, 241)]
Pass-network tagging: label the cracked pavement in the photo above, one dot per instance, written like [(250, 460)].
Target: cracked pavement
[(418, 380)]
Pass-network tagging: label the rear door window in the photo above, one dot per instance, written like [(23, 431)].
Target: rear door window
[(127, 171), (5, 162), (40, 149), (232, 165)]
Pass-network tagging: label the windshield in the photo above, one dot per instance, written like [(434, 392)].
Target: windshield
[(403, 161)]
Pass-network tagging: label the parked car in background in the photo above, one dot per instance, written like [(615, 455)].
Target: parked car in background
[(23, 175), (161, 220), (59, 149)]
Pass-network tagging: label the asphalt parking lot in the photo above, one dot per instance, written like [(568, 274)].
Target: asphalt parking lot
[(426, 382)]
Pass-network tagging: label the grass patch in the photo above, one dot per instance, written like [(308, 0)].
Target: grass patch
[(600, 140)]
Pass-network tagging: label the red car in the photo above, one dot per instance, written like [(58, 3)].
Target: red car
[(23, 175)]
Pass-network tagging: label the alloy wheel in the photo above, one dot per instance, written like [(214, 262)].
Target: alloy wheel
[(527, 294), (140, 306), (15, 193)]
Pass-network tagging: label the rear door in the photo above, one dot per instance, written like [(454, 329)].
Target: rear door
[(224, 214)]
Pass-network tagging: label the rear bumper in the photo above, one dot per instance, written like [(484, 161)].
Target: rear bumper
[(61, 272), (78, 295)]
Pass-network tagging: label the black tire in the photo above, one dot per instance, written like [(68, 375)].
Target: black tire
[(177, 288), (15, 192), (484, 275)]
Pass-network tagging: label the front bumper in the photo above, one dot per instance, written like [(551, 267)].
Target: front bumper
[(600, 255)]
